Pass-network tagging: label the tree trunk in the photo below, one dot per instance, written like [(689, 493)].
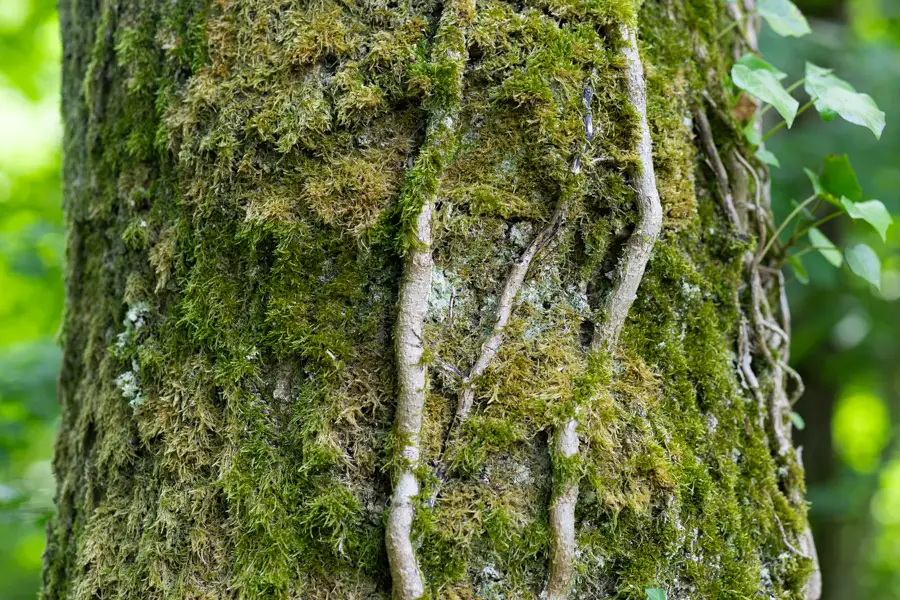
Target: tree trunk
[(359, 304)]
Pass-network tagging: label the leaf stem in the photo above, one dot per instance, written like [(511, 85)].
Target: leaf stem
[(790, 89), (784, 223), (795, 85), (734, 24), (784, 122), (820, 222), (797, 223)]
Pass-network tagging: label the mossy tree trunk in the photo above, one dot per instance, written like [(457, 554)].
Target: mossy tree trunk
[(351, 307)]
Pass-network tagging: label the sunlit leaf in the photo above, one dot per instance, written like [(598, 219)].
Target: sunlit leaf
[(799, 270), (825, 247), (839, 179), (798, 421), (767, 157), (783, 17), (872, 212), (655, 593), (756, 62), (835, 96), (763, 84), (863, 261)]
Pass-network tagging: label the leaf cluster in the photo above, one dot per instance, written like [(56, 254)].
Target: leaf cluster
[(837, 185)]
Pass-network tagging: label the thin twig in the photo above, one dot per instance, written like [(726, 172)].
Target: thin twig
[(718, 167), (784, 539), (514, 280)]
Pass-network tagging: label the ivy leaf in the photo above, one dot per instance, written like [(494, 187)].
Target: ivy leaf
[(804, 210), (825, 247), (872, 212), (767, 157), (818, 189), (765, 86), (834, 96), (751, 134), (655, 593), (756, 62), (863, 261), (783, 17), (799, 270), (839, 179), (798, 421)]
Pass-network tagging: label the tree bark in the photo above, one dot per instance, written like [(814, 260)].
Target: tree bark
[(433, 299)]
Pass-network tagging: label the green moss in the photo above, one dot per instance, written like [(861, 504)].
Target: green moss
[(237, 181)]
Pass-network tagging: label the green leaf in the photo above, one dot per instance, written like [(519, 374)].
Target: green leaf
[(834, 96), (872, 212), (863, 261), (767, 157), (799, 269), (751, 134), (798, 421), (765, 86), (825, 247), (756, 62), (783, 17), (803, 209), (816, 184), (655, 593), (839, 179)]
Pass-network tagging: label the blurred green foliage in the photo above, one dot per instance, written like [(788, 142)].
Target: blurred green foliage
[(846, 340), (31, 292)]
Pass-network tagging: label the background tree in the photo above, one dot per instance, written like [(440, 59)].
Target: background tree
[(516, 309)]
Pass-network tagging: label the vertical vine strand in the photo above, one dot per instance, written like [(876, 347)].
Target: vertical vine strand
[(615, 310), (562, 507), (417, 204), (639, 246)]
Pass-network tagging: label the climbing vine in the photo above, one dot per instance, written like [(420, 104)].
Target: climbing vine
[(836, 186), (836, 192)]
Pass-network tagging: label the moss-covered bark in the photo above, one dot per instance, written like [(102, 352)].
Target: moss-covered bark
[(235, 176)]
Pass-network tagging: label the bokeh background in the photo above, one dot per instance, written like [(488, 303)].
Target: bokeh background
[(846, 336)]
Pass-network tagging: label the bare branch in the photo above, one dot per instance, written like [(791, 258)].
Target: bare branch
[(562, 520), (631, 267), (407, 578)]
